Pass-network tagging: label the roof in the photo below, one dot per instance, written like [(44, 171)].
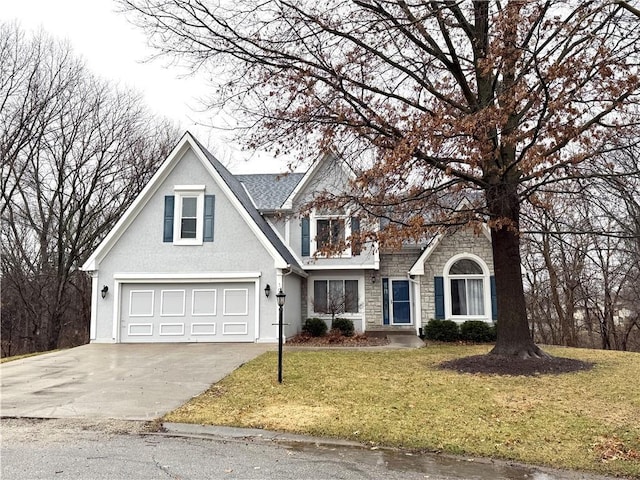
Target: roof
[(241, 194), (270, 190)]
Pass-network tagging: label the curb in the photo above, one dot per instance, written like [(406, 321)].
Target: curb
[(236, 433)]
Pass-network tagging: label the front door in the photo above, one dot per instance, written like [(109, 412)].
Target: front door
[(396, 300)]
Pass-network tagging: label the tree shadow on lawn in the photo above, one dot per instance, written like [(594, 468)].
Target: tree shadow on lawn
[(510, 365)]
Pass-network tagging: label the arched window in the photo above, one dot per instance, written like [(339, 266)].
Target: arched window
[(467, 288)]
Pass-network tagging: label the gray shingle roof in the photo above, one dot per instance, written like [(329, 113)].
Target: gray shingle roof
[(240, 193), (270, 190)]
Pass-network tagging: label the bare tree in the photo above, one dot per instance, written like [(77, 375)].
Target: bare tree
[(582, 257), (429, 102), (75, 152)]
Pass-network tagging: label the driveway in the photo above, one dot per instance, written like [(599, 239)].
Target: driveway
[(123, 381)]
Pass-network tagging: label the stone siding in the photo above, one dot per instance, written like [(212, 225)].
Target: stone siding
[(463, 241), (394, 265)]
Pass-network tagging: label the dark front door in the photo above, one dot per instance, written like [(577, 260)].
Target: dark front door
[(397, 304)]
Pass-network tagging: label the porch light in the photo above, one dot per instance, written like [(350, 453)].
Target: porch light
[(267, 290), (104, 291)]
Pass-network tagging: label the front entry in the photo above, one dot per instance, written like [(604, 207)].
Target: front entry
[(396, 302)]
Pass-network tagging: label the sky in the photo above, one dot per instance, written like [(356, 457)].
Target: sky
[(116, 50)]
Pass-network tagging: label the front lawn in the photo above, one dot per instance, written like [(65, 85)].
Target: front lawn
[(586, 420)]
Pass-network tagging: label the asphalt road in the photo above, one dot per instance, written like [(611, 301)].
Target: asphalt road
[(68, 449)]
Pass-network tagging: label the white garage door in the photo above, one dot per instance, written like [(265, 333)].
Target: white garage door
[(179, 312)]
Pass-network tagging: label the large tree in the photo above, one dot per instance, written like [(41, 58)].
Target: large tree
[(430, 101), (75, 151)]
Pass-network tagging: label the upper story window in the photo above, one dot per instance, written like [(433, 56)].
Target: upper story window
[(326, 231), (330, 232), (188, 216)]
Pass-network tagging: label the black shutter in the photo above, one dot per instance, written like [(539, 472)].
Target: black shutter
[(209, 210), (306, 240), (169, 201), (438, 283)]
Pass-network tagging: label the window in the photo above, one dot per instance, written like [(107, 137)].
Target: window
[(188, 216), (330, 232), (326, 230), (335, 296), (467, 288)]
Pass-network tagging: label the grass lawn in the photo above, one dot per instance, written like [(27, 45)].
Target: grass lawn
[(586, 420)]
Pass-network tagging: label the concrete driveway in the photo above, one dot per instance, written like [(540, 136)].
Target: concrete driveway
[(124, 381)]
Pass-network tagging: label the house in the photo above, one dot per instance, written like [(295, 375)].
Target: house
[(201, 253)]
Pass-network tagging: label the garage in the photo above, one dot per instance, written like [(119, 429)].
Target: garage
[(188, 312)]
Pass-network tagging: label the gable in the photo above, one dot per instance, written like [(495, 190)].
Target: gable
[(446, 245), (197, 167), (327, 174)]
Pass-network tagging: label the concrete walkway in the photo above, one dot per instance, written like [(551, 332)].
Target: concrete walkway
[(123, 381)]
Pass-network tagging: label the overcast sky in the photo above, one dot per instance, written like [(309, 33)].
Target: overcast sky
[(116, 50)]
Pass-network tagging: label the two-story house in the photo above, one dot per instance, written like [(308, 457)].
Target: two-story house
[(201, 253)]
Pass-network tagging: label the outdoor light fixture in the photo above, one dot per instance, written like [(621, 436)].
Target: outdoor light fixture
[(280, 296), (104, 291), (267, 290), (373, 278)]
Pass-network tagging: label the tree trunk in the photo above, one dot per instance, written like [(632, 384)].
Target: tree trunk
[(514, 337)]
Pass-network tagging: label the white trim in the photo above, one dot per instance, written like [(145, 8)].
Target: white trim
[(117, 320), (416, 307), (179, 196), (363, 266), (256, 308), (314, 217), (212, 277), (95, 286), (189, 188), (355, 316), (486, 287), (418, 266)]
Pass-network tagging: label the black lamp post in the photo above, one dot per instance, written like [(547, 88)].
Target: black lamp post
[(280, 296)]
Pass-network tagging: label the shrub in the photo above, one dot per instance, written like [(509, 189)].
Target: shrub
[(442, 331), (344, 325), (477, 331), (316, 327)]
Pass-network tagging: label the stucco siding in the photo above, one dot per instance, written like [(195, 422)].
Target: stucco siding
[(140, 249)]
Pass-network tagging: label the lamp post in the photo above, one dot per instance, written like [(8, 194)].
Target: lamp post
[(280, 296)]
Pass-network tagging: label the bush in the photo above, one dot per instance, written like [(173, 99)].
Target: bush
[(477, 331), (344, 325), (316, 327), (442, 331)]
